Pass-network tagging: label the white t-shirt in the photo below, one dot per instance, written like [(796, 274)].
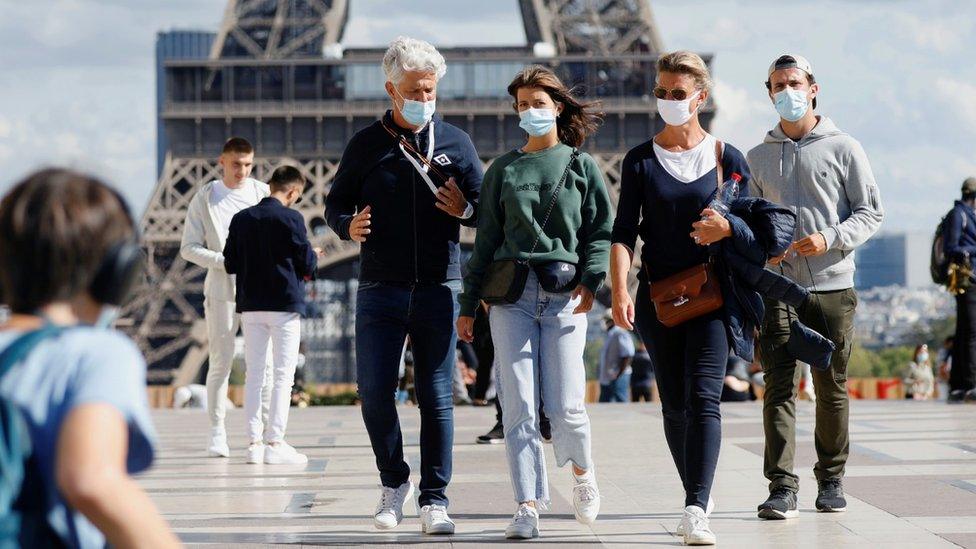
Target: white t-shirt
[(226, 202), (687, 166)]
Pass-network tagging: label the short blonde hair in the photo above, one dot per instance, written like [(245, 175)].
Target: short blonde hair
[(686, 62)]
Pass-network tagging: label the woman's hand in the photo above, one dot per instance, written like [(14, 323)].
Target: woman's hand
[(586, 303), (623, 309), (465, 328), (712, 228)]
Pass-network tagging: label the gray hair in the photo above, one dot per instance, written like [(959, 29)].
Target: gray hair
[(409, 54)]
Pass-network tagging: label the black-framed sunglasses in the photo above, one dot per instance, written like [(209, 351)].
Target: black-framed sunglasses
[(677, 94)]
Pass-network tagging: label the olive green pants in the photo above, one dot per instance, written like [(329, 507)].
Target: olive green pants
[(782, 375)]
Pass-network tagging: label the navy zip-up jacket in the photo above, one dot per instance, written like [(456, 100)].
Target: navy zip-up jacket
[(410, 239), (268, 249), (960, 237)]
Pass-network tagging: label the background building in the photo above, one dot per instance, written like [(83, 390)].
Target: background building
[(900, 259), (276, 74)]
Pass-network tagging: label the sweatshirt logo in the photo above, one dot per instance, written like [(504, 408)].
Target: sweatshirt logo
[(442, 159)]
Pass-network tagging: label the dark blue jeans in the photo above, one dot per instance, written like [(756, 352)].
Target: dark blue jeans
[(689, 364), (385, 315), (617, 390)]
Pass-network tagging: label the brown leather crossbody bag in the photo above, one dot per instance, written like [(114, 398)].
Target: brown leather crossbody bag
[(693, 292)]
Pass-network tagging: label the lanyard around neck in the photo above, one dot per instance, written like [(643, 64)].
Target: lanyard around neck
[(407, 149)]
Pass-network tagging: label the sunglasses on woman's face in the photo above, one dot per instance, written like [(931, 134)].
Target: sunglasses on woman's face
[(677, 94)]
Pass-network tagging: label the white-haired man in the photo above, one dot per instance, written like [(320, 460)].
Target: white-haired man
[(404, 187)]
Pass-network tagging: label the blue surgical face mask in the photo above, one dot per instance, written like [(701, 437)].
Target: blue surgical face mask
[(416, 113), (537, 122), (791, 104)]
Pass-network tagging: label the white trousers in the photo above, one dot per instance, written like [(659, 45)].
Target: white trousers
[(222, 325), (284, 332)]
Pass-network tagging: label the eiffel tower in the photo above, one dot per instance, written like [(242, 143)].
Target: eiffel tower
[(276, 74)]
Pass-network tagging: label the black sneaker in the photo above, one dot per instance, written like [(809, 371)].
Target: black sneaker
[(495, 436), (956, 397), (830, 497), (780, 505), (545, 428), (970, 396)]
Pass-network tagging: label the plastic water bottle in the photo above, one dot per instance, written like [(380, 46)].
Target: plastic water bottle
[(727, 192)]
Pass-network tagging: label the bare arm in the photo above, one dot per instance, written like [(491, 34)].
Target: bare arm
[(92, 477), (621, 258)]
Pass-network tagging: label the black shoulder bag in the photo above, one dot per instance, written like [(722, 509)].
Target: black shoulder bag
[(504, 280)]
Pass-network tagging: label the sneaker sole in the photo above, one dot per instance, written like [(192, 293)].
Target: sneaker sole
[(773, 514), (437, 531), (492, 441), (519, 535), (831, 509), (383, 526), (700, 542)]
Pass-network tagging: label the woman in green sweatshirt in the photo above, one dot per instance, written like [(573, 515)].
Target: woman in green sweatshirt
[(539, 339)]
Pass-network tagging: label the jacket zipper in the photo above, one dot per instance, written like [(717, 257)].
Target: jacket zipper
[(413, 189)]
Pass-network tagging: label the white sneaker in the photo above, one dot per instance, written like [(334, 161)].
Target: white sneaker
[(708, 512), (525, 523), (389, 511), (696, 530), (218, 443), (283, 453), (434, 520), (255, 452), (586, 497)]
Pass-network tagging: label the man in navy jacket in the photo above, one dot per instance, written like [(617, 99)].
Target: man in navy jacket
[(268, 250), (404, 187), (960, 244)]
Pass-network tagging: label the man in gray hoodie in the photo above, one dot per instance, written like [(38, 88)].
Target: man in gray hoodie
[(823, 174)]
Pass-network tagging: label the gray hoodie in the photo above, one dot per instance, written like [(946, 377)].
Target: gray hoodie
[(826, 179)]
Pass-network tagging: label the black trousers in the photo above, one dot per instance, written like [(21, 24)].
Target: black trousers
[(689, 366), (962, 377)]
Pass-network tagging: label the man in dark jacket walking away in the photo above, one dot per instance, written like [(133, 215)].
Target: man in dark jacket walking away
[(268, 249), (809, 165), (404, 187), (960, 246)]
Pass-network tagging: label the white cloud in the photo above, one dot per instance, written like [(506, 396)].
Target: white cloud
[(958, 98), (743, 117)]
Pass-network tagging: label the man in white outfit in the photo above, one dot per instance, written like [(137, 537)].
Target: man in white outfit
[(204, 235)]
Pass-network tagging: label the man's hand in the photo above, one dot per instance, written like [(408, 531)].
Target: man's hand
[(359, 227), (450, 199), (587, 299), (779, 259), (712, 228), (319, 251), (811, 246), (465, 328)]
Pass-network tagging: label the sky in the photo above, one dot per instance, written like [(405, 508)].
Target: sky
[(77, 78)]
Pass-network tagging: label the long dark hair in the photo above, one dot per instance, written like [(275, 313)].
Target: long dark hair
[(577, 121)]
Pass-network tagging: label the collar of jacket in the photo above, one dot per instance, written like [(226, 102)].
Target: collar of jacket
[(388, 120)]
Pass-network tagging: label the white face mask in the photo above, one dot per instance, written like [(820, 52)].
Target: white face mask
[(676, 113)]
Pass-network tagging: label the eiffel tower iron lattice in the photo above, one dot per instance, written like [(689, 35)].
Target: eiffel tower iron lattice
[(260, 46)]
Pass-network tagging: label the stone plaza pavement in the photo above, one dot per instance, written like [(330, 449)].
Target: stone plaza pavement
[(911, 482)]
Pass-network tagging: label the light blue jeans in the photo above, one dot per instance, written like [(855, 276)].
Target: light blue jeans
[(539, 354)]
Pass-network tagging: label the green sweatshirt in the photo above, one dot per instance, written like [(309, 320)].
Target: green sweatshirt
[(515, 194)]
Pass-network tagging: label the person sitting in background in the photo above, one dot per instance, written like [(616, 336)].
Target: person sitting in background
[(642, 374), (69, 254), (736, 386), (917, 377)]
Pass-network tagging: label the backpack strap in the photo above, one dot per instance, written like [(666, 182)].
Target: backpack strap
[(23, 345)]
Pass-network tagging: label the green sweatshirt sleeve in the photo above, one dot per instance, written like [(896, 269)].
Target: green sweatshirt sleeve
[(597, 224), (490, 235)]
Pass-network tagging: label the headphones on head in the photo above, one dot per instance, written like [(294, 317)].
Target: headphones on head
[(121, 268)]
